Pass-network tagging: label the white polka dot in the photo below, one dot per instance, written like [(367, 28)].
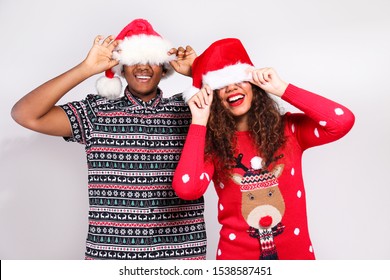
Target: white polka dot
[(293, 128), (203, 175), (221, 207), (322, 123), (219, 252), (296, 231), (232, 236), (299, 194), (311, 249), (185, 178), (221, 185), (292, 171), (339, 111), (316, 133)]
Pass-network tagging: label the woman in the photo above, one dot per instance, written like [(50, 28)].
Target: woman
[(239, 139)]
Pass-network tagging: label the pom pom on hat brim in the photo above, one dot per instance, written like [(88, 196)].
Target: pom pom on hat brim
[(218, 79), (110, 88)]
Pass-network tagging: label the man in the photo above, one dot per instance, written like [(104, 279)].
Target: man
[(132, 142)]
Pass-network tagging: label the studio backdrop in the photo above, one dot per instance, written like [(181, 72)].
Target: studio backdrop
[(337, 48)]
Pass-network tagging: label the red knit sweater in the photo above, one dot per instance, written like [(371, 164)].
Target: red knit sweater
[(262, 210)]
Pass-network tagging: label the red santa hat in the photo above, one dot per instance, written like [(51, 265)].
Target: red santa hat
[(223, 63), (140, 44)]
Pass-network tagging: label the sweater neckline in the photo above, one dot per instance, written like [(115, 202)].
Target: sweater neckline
[(243, 133)]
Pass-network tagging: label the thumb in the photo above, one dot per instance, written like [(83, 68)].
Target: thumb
[(112, 62)]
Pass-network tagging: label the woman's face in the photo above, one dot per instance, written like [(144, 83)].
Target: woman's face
[(237, 98)]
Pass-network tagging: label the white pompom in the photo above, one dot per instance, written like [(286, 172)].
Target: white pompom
[(256, 163), (109, 88)]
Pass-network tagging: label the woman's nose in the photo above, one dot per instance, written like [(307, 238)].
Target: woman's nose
[(231, 87)]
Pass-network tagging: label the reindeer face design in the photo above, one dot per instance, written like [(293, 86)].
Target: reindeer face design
[(262, 203), (263, 208)]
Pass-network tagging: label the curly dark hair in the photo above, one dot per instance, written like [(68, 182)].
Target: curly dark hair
[(266, 126)]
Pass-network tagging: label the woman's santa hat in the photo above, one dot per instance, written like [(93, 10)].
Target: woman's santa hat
[(140, 44), (223, 63)]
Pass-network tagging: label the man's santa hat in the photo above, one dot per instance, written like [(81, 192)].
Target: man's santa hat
[(140, 44), (223, 63)]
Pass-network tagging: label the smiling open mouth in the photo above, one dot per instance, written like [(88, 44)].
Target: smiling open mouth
[(235, 98), (143, 77)]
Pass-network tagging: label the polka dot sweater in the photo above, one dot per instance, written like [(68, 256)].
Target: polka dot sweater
[(262, 209)]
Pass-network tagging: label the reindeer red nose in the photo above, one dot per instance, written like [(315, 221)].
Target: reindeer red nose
[(265, 221)]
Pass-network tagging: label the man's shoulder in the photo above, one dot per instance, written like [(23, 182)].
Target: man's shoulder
[(175, 99), (175, 104), (105, 103)]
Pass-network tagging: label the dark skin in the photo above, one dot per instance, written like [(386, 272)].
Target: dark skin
[(37, 110), (143, 80)]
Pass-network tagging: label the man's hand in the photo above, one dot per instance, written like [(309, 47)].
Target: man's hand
[(184, 59), (99, 58)]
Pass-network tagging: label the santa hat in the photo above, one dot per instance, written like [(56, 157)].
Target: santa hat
[(140, 44), (223, 63)]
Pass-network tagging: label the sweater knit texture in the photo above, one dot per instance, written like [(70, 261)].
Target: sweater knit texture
[(132, 149), (262, 210)]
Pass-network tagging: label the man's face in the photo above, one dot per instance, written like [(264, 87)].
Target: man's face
[(143, 79)]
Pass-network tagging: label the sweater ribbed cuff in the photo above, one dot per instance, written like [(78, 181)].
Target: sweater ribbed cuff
[(197, 130), (291, 92)]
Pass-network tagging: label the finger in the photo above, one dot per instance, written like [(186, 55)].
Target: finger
[(198, 102), (97, 39), (260, 76), (200, 99), (108, 40), (113, 45), (172, 51), (208, 89), (267, 75), (181, 52), (255, 79), (193, 98), (113, 62), (208, 92), (189, 49), (204, 97), (210, 95)]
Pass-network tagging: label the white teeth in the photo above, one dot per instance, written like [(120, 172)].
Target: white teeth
[(235, 98), (143, 77)]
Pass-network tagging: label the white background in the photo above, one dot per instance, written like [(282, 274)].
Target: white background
[(337, 48)]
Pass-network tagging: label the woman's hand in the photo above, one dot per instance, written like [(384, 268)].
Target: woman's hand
[(200, 105), (268, 80)]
